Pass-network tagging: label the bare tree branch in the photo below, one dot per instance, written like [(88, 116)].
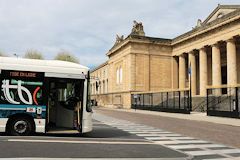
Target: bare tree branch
[(66, 56), (33, 54)]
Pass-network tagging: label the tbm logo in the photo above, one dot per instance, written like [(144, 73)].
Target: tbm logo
[(6, 86)]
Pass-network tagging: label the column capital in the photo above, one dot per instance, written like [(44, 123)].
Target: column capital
[(231, 40), (192, 52), (215, 45), (203, 49), (181, 55)]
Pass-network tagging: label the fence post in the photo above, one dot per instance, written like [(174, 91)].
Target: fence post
[(207, 100), (236, 101), (174, 100), (151, 100), (162, 98), (184, 100), (136, 103), (143, 101), (190, 101), (167, 99), (179, 97)]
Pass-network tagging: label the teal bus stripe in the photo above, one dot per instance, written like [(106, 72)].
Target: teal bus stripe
[(11, 106)]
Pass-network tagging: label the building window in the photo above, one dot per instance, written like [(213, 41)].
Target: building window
[(103, 86), (121, 75), (117, 76), (107, 86)]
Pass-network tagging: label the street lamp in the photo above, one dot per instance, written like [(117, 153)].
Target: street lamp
[(16, 55)]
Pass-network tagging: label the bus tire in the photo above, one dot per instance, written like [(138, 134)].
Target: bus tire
[(21, 126)]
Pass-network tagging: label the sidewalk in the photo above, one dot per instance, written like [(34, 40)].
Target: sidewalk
[(195, 116)]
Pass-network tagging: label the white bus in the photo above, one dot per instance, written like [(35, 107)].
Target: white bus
[(44, 96)]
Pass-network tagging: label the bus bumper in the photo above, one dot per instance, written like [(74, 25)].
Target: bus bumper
[(40, 125), (3, 124), (87, 126), (87, 122)]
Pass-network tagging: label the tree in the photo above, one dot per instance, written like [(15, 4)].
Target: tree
[(33, 54), (2, 54), (66, 56)]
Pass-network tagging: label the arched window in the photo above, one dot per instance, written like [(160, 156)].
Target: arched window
[(117, 76), (121, 75)]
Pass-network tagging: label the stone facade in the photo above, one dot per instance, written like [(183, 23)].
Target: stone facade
[(141, 63)]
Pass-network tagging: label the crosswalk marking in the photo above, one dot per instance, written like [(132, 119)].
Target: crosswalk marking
[(199, 153), (181, 146), (172, 140), (228, 151)]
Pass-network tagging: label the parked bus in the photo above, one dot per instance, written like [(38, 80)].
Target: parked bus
[(44, 96)]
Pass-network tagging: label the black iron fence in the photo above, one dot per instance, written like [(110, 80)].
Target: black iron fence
[(177, 101), (223, 101)]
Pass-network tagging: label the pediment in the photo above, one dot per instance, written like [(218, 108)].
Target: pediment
[(220, 11)]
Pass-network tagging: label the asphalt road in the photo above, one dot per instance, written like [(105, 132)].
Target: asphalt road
[(203, 140), (103, 142), (218, 133)]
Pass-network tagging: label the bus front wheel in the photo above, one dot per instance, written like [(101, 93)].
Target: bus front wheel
[(20, 126)]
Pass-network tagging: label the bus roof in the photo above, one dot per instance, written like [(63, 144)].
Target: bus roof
[(47, 66)]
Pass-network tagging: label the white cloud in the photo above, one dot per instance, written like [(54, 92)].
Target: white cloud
[(88, 28)]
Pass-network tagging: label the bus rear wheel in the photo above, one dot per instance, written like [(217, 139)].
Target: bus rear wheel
[(20, 127)]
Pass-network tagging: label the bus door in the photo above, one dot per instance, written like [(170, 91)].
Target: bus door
[(65, 104)]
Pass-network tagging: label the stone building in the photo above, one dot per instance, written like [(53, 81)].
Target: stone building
[(141, 63)]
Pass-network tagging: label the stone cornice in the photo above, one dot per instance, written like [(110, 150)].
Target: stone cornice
[(193, 33), (204, 28), (220, 7), (100, 66), (207, 27), (139, 39)]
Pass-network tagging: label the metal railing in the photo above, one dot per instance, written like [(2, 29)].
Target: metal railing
[(177, 101), (223, 101)]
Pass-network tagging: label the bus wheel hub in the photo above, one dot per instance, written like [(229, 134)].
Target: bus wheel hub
[(20, 126)]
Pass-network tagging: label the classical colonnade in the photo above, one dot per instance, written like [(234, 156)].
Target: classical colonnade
[(231, 56)]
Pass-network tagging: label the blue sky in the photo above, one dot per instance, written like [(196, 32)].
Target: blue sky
[(87, 28)]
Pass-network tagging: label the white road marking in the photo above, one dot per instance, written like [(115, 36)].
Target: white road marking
[(33, 158), (228, 151), (200, 153), (85, 142), (223, 159), (181, 146)]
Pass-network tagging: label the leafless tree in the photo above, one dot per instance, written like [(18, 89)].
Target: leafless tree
[(2, 54), (66, 56), (33, 54)]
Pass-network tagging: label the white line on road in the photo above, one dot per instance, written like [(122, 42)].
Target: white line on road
[(86, 142), (200, 153), (92, 158)]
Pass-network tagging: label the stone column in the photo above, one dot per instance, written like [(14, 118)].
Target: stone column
[(203, 71), (182, 71), (216, 68), (192, 60), (231, 62)]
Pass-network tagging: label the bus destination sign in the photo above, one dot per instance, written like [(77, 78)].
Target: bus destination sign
[(22, 74)]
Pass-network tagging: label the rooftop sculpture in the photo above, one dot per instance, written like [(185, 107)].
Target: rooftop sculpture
[(137, 29)]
